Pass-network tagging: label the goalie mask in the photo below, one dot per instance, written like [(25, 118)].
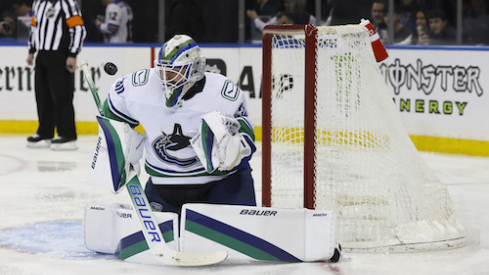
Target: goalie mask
[(180, 65)]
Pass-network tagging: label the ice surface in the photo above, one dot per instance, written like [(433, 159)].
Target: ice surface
[(43, 194)]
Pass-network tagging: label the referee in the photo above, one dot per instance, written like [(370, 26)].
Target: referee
[(57, 34)]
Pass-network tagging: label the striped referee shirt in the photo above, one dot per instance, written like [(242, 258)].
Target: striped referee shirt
[(56, 25)]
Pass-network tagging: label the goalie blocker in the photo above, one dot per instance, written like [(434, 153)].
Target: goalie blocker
[(118, 147), (245, 232)]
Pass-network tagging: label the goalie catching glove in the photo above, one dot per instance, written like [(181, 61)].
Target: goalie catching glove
[(118, 148), (219, 145)]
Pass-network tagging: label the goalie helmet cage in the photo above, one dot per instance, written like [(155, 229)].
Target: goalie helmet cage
[(333, 140)]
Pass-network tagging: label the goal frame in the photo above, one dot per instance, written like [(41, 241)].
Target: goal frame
[(365, 218), (309, 109)]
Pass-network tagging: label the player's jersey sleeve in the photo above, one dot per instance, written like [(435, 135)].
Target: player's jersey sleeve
[(115, 106), (77, 29), (246, 127), (246, 124)]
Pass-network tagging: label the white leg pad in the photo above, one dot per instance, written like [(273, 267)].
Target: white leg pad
[(260, 233), (115, 229)]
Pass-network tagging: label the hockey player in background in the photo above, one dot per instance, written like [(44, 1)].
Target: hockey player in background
[(198, 137), (116, 26)]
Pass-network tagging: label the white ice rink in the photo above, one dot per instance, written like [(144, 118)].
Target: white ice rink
[(43, 193)]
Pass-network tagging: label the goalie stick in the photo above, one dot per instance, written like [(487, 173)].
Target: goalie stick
[(91, 86), (151, 231)]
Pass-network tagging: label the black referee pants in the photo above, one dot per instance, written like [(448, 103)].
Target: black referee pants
[(55, 87)]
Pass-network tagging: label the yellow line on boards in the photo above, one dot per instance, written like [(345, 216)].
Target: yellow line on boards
[(30, 127), (451, 145), (422, 143)]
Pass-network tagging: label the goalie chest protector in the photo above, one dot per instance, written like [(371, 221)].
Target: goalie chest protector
[(169, 129)]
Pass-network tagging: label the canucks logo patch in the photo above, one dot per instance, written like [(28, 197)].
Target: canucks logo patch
[(230, 91), (175, 148), (140, 78)]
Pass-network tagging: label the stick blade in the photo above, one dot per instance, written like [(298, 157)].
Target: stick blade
[(199, 259), (162, 253)]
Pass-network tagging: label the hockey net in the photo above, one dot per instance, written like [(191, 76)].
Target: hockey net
[(333, 140)]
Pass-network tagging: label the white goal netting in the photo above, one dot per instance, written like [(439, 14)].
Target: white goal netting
[(366, 168)]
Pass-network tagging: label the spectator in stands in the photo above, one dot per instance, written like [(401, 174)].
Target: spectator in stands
[(285, 18), (441, 32), (184, 17), (408, 10), (23, 12), (299, 12), (402, 34), (476, 23), (22, 7), (348, 12), (295, 8), (264, 10), (327, 12), (7, 27), (420, 36), (379, 7)]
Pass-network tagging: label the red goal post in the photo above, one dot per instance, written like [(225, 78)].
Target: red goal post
[(310, 86)]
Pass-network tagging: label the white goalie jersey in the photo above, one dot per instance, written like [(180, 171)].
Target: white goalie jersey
[(138, 98)]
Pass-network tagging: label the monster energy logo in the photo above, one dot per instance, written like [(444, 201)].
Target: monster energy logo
[(16, 78), (424, 77)]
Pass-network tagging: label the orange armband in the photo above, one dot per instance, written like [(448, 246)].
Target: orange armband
[(74, 21)]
